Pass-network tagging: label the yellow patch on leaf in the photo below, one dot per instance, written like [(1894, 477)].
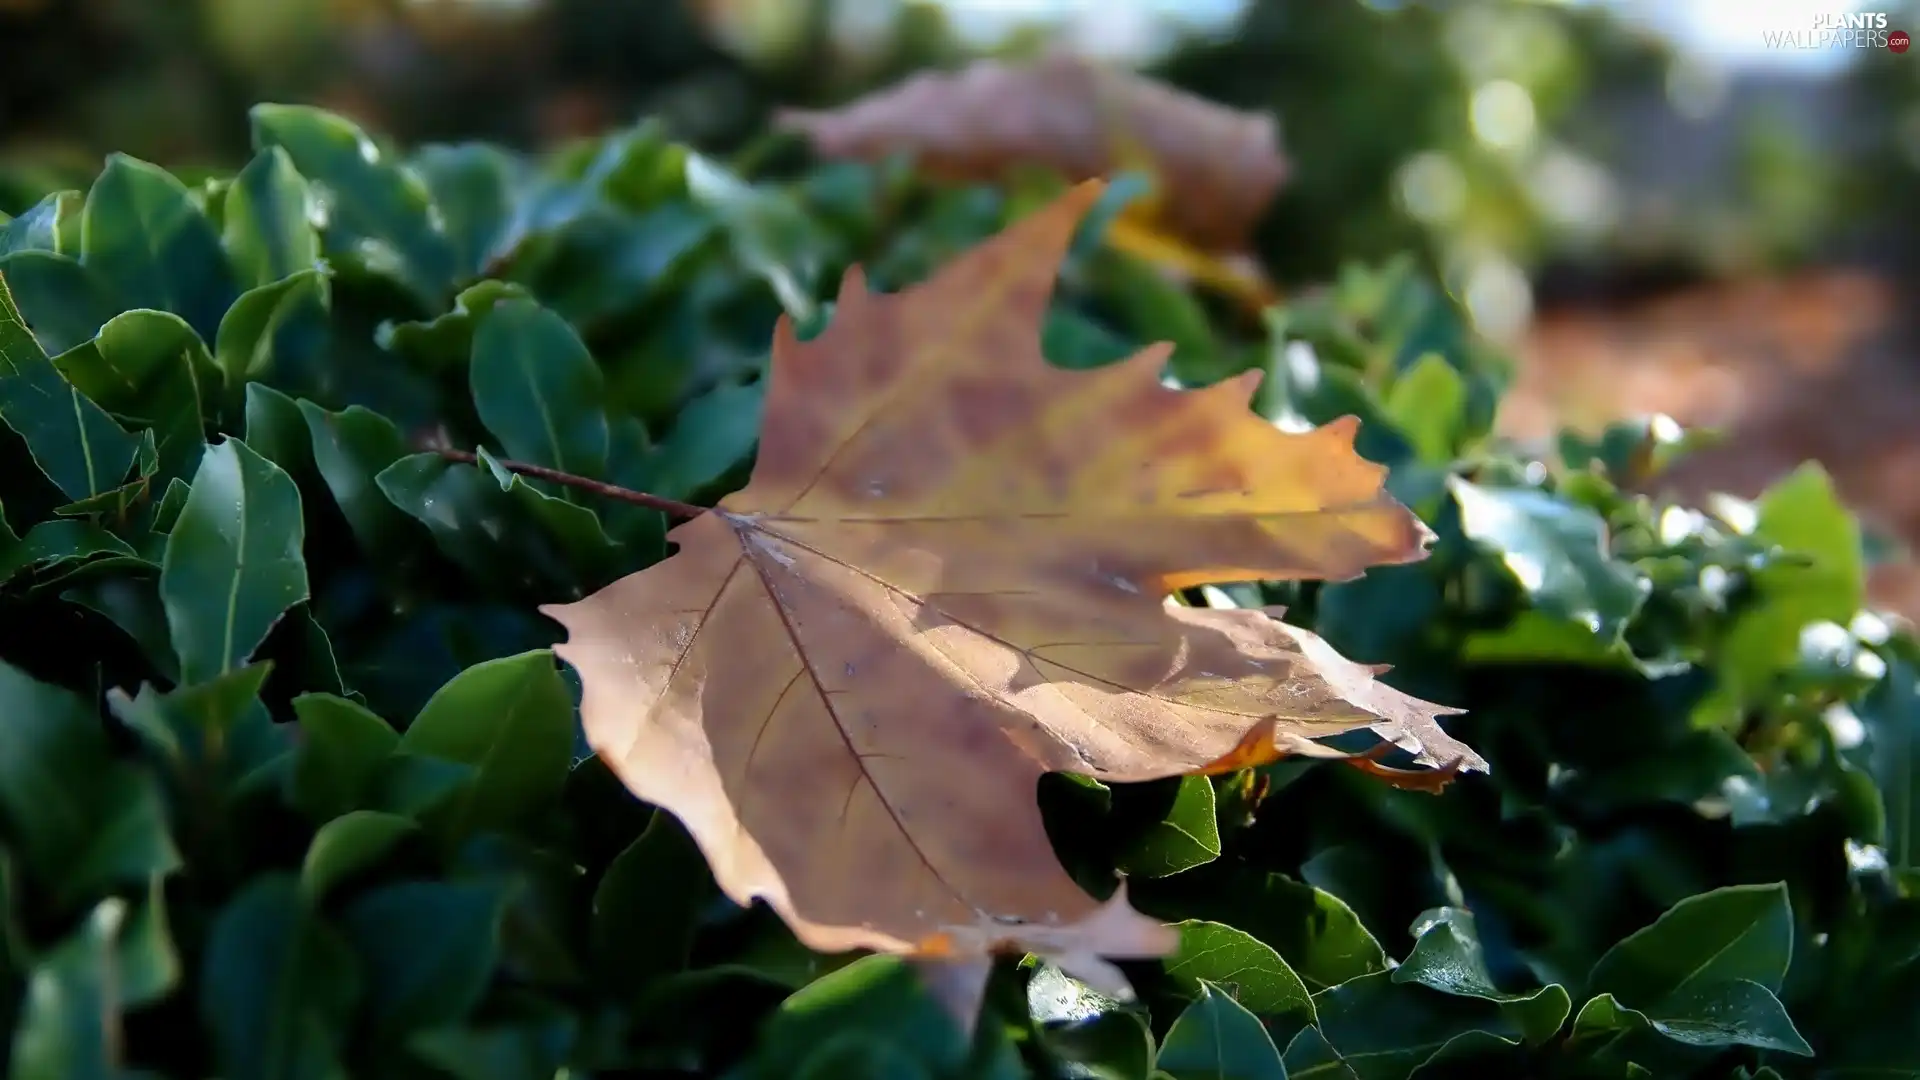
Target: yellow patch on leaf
[(947, 578)]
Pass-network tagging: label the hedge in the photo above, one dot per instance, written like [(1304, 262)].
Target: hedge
[(294, 787)]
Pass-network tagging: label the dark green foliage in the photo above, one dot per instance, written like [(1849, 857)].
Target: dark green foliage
[(292, 786)]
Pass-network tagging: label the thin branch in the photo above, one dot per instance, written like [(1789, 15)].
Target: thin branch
[(669, 507)]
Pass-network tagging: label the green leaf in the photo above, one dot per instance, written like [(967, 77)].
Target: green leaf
[(243, 347), (268, 221), (876, 996), (1186, 836), (472, 188), (217, 730), (1556, 551), (594, 557), (70, 1024), (150, 367), (771, 235), (647, 906), (1243, 966), (1803, 515), (445, 342), (278, 987), (537, 389), (343, 750), (233, 562), (1428, 403), (133, 605), (1735, 1012), (531, 1051), (62, 302), (277, 431), (429, 949), (515, 553), (1383, 1030), (1317, 934), (38, 229), (1447, 957), (1734, 932), (54, 549), (512, 720), (147, 238), (81, 820), (1892, 712), (350, 449), (711, 437), (1217, 1039), (73, 441), (378, 215), (1112, 1045), (348, 844)]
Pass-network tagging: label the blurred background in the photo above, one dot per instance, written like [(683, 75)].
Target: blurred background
[(1658, 205)]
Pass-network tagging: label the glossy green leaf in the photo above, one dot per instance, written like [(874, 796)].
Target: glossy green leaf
[(467, 511), (1557, 553), (378, 215), (512, 720), (73, 441), (647, 905), (343, 750), (150, 367), (1241, 965), (279, 987), (1734, 932), (1383, 1030), (1187, 836), (276, 430), (52, 550), (233, 561), (1447, 956), (877, 996), (445, 342), (243, 346), (350, 449), (714, 434), (268, 221), (472, 185), (217, 738), (348, 844), (429, 950), (81, 819), (1317, 934), (38, 227), (62, 302), (537, 389), (1218, 1039), (1730, 1013), (144, 235)]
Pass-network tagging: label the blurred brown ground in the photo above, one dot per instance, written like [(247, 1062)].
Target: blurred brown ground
[(1819, 366)]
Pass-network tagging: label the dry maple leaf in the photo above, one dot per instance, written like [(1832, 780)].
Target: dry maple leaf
[(1217, 168), (946, 579)]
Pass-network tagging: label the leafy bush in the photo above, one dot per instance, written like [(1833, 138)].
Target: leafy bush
[(293, 787)]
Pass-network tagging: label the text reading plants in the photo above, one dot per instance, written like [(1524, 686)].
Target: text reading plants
[(945, 580)]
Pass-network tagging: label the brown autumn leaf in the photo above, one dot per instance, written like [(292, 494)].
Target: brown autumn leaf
[(946, 579), (1215, 168)]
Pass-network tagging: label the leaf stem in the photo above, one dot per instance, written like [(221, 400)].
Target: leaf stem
[(670, 507)]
